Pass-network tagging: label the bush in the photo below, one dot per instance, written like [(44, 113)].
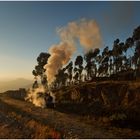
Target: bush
[(118, 116)]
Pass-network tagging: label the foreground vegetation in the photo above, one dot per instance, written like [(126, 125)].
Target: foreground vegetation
[(19, 119)]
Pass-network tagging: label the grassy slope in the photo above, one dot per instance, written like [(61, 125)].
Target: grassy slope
[(19, 119), (22, 120)]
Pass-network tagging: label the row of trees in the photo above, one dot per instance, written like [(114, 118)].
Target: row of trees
[(95, 63)]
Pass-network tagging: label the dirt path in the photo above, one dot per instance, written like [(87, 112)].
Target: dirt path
[(70, 125)]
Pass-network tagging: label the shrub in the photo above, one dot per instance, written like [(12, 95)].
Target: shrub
[(118, 116)]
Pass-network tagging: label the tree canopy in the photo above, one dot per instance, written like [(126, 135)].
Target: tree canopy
[(95, 64)]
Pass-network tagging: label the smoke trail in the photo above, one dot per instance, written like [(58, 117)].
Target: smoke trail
[(60, 55), (89, 36), (36, 96), (86, 31)]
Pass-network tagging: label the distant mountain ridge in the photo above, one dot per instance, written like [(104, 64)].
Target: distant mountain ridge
[(15, 84)]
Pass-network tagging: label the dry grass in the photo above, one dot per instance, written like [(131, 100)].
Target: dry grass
[(13, 125), (41, 131), (72, 119), (25, 128)]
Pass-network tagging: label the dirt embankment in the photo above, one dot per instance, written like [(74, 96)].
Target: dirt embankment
[(69, 126), (108, 93), (19, 119), (114, 101), (87, 112)]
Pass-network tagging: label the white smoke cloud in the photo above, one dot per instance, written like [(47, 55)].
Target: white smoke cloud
[(89, 36), (86, 31), (36, 96), (60, 55)]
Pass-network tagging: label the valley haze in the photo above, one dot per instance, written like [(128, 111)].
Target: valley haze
[(14, 84)]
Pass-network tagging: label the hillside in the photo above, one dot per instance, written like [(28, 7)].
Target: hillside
[(48, 123), (107, 109)]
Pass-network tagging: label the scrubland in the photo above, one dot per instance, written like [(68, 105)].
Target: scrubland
[(91, 110)]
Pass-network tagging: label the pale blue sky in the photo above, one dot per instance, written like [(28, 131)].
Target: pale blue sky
[(28, 28)]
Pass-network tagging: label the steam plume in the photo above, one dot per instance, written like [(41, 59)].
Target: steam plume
[(36, 96), (87, 32), (60, 55)]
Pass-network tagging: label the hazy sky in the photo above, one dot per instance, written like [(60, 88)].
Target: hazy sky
[(28, 28)]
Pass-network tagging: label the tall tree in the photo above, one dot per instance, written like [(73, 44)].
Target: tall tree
[(39, 70), (61, 78), (117, 52), (90, 58), (104, 66), (136, 57), (79, 63), (70, 68)]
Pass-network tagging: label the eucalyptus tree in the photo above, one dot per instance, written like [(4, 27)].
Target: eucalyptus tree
[(69, 70), (79, 64), (39, 70), (136, 57), (61, 78), (91, 60), (117, 53)]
